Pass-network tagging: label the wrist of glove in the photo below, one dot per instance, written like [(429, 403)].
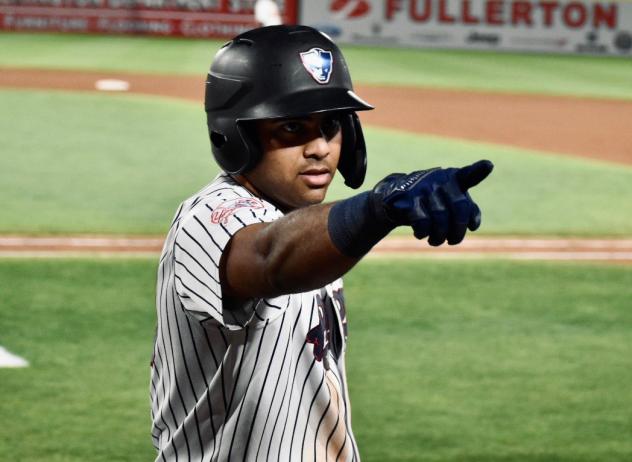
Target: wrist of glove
[(356, 224), (435, 202)]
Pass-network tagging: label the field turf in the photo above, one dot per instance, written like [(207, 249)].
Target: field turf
[(449, 361), (90, 163), (86, 163)]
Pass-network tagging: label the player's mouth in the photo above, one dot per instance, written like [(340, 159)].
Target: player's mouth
[(316, 177)]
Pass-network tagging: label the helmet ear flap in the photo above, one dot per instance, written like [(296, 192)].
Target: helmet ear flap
[(353, 158), (240, 141), (252, 145)]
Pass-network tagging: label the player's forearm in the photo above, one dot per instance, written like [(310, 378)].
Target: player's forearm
[(304, 250), (299, 253)]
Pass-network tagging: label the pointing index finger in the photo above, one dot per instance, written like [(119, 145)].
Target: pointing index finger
[(471, 175)]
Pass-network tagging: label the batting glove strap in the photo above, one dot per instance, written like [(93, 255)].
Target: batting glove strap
[(356, 224)]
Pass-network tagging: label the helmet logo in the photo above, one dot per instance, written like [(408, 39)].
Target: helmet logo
[(319, 64)]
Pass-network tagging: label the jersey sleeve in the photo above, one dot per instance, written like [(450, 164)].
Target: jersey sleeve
[(198, 247)]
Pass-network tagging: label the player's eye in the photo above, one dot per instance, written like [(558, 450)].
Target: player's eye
[(330, 127), (292, 127)]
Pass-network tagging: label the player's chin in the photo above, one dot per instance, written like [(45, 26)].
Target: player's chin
[(313, 195)]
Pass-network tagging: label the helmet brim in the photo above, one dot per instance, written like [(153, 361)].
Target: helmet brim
[(308, 102)]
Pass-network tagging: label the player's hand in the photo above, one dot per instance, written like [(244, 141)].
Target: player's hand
[(435, 202)]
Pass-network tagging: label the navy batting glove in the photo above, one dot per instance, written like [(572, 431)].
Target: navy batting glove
[(435, 202)]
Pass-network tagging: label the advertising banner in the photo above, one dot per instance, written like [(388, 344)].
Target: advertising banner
[(593, 27), (189, 18)]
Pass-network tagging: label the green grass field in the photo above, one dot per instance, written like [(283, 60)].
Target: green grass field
[(478, 361), (89, 163)]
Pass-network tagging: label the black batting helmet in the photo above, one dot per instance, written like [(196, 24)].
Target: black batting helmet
[(279, 72)]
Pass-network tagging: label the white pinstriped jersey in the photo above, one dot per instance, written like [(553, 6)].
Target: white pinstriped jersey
[(265, 381)]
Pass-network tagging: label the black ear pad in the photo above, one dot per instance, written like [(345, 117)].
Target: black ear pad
[(353, 158), (230, 146), (250, 144)]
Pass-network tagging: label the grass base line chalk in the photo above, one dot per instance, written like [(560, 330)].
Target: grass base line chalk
[(473, 247)]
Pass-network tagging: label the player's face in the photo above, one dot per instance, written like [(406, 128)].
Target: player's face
[(300, 157)]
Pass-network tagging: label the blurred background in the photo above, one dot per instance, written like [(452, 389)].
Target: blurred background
[(514, 346)]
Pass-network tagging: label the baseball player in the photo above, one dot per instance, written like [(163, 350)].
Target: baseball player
[(267, 13), (249, 352)]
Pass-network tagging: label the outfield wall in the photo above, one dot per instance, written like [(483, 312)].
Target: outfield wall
[(566, 26), (593, 27), (187, 18)]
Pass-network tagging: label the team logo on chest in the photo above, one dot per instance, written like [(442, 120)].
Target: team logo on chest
[(319, 64)]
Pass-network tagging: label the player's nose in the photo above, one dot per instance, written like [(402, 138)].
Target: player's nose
[(317, 147)]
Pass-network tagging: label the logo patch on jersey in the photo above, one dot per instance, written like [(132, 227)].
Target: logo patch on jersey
[(222, 213), (316, 336), (319, 64), (329, 335)]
